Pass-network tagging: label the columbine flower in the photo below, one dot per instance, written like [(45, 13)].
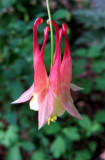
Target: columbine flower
[(66, 77), (51, 96), (60, 78), (38, 84)]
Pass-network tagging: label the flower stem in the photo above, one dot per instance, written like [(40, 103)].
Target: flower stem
[(51, 31)]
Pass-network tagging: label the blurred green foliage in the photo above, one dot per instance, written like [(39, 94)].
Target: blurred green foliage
[(68, 138)]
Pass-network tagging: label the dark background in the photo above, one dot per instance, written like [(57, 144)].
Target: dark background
[(68, 138)]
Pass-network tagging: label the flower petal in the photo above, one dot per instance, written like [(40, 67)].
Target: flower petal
[(54, 77), (36, 50), (25, 96), (40, 76), (66, 65), (75, 87), (68, 104), (58, 109), (34, 102), (45, 101), (46, 30)]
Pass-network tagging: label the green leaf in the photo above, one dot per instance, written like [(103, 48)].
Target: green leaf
[(14, 153), (44, 141), (85, 123), (1, 136), (58, 147), (80, 52), (59, 14), (41, 14), (7, 3), (83, 155), (38, 155), (87, 85), (2, 94), (1, 125), (10, 136), (52, 129), (18, 66), (100, 83), (94, 52), (92, 146), (11, 117), (100, 116), (78, 70), (97, 128), (24, 122), (15, 89), (27, 145), (71, 133), (98, 66)]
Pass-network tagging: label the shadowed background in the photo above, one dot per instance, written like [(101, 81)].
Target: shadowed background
[(68, 138)]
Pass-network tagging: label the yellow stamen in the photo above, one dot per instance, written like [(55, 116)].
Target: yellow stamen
[(49, 121), (52, 119)]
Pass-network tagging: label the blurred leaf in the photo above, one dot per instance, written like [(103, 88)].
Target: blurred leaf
[(52, 129), (59, 14), (18, 66), (100, 116), (1, 136), (20, 7), (1, 125), (27, 145), (11, 117), (14, 153), (2, 94), (83, 154), (98, 66), (9, 74), (71, 133), (7, 3), (41, 14), (80, 52), (100, 83), (78, 70), (87, 85), (44, 141), (97, 128), (38, 155), (15, 89), (94, 52), (92, 146), (85, 123), (10, 136), (24, 122), (58, 147)]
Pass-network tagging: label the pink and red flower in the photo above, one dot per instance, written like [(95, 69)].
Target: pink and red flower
[(50, 96)]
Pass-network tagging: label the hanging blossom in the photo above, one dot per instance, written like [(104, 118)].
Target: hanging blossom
[(50, 96)]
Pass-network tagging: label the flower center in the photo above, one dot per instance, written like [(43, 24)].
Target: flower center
[(52, 119)]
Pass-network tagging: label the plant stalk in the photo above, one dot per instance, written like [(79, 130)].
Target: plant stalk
[(51, 31)]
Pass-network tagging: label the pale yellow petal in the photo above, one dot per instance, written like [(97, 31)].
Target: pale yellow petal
[(58, 109)]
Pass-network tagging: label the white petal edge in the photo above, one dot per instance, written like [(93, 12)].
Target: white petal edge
[(75, 87)]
